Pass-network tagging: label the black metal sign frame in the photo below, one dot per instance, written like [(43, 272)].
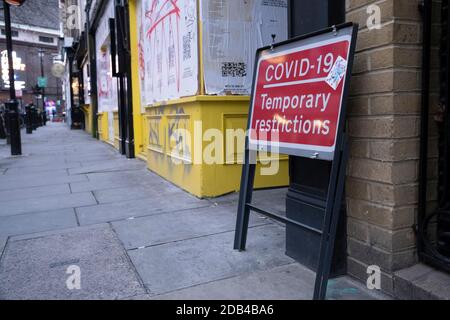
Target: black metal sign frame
[(337, 179)]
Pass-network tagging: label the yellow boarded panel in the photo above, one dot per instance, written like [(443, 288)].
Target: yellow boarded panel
[(177, 129), (116, 130), (234, 142)]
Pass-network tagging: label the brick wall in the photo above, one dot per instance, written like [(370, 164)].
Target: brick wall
[(384, 125)]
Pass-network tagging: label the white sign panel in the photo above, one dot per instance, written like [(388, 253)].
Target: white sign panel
[(298, 95), (17, 66), (106, 84), (168, 49), (232, 32)]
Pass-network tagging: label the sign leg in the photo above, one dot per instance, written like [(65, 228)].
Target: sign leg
[(330, 229), (245, 196)]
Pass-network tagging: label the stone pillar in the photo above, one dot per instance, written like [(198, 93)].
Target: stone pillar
[(384, 125)]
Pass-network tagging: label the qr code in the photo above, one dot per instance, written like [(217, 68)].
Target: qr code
[(234, 69), (187, 46)]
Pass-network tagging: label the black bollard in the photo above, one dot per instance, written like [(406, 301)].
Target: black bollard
[(28, 119), (2, 125), (14, 128), (39, 118), (34, 118), (8, 135)]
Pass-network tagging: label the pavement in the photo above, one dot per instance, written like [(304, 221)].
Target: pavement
[(79, 221)]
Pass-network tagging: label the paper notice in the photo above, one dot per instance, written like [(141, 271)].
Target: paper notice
[(337, 73)]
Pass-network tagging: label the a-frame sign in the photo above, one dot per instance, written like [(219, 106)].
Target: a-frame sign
[(298, 107)]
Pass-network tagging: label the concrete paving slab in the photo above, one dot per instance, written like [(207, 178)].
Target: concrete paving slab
[(34, 192), (48, 181), (29, 161), (404, 281), (179, 265), (435, 284), (45, 168), (3, 241), (37, 268), (83, 146), (37, 222), (133, 177), (270, 199), (111, 165), (14, 207), (29, 155), (290, 282), (136, 192), (347, 288), (113, 180), (42, 234), (192, 223), (36, 176), (88, 149), (136, 208), (93, 156), (88, 186)]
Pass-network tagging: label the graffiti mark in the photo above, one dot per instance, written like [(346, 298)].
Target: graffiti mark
[(141, 53), (154, 132), (157, 15), (177, 137), (176, 124), (177, 132)]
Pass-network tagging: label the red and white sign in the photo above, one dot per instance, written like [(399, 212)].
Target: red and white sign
[(298, 95)]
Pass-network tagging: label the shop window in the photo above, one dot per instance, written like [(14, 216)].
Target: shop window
[(46, 39), (14, 33)]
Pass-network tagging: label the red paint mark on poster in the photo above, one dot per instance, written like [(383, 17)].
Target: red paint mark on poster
[(157, 14), (160, 14)]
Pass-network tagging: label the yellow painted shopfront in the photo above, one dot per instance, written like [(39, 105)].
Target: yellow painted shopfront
[(189, 99)]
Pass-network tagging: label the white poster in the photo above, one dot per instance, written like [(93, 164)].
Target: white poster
[(106, 84), (232, 32), (86, 84), (168, 49)]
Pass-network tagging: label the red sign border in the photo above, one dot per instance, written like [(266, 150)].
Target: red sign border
[(310, 151)]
